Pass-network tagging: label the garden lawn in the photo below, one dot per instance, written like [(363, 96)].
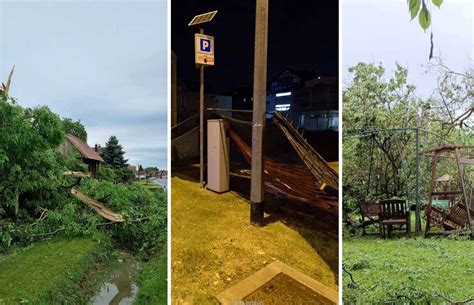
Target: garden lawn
[(214, 246), (153, 282), (49, 272), (148, 185), (422, 270)]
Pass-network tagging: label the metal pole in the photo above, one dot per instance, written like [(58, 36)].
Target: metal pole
[(417, 210), (258, 119), (201, 122)]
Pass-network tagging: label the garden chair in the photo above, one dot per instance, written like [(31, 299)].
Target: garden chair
[(393, 212)]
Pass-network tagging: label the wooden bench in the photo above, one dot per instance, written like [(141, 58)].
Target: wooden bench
[(393, 212), (371, 211)]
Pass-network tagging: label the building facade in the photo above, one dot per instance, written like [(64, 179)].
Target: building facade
[(310, 101)]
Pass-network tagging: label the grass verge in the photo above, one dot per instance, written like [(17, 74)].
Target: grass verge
[(50, 272), (148, 185), (421, 271), (214, 246), (152, 282)]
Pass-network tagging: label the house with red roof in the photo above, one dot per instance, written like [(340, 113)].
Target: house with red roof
[(87, 154)]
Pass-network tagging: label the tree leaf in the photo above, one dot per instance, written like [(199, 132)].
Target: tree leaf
[(424, 18), (414, 7), (437, 3)]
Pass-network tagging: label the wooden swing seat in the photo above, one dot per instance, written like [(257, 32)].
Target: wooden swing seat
[(456, 219)]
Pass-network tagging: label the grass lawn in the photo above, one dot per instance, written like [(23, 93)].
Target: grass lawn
[(214, 246), (422, 270), (48, 272), (152, 282), (148, 184)]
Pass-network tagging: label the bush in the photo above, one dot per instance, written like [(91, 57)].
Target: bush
[(108, 174), (121, 175), (143, 232), (144, 229)]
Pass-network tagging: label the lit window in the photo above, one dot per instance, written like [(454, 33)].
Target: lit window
[(283, 94), (282, 107)]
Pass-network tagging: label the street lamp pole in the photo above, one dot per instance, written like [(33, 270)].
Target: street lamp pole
[(258, 119)]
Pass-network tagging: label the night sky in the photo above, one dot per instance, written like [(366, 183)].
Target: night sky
[(302, 35)]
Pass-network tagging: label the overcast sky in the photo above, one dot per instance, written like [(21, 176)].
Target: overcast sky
[(381, 31), (101, 62)]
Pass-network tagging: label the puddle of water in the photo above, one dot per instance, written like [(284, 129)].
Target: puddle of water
[(119, 287)]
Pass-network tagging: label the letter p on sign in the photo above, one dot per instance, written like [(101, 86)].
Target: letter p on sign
[(205, 45)]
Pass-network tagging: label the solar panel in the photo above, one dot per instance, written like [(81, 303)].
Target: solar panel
[(202, 18)]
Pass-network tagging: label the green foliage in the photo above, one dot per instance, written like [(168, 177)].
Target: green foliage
[(116, 175), (374, 101), (113, 154), (371, 102), (75, 128), (414, 7), (29, 160), (144, 230), (452, 103), (126, 175), (419, 8), (424, 18), (150, 171), (73, 162), (108, 174), (438, 3), (153, 281)]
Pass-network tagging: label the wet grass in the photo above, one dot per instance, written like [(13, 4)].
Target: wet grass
[(214, 246), (153, 282), (49, 272), (430, 271)]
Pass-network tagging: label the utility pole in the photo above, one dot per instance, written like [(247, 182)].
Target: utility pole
[(258, 119)]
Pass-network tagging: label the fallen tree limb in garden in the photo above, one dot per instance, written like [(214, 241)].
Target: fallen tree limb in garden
[(99, 208)]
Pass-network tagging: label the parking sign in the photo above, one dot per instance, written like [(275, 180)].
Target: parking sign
[(204, 49)]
